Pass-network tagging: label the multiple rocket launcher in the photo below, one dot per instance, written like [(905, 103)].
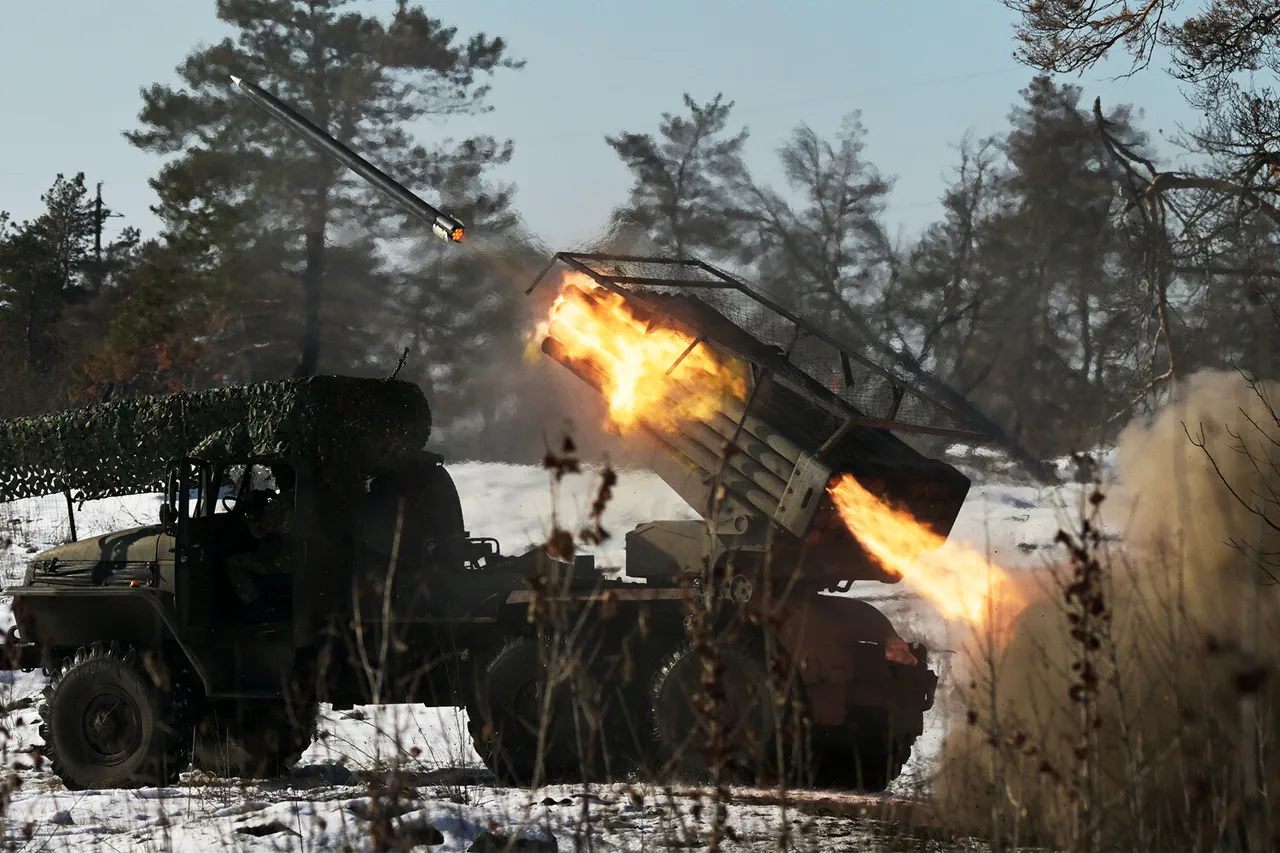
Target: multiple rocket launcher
[(766, 474), (734, 466), (731, 465), (753, 458), (774, 471)]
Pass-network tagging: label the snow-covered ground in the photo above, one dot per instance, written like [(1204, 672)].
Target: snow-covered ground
[(325, 804)]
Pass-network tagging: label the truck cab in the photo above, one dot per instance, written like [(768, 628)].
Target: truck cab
[(169, 586)]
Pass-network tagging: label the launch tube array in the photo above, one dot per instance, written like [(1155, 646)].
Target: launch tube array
[(757, 473)]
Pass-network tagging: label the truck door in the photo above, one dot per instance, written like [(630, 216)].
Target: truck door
[(190, 503), (257, 545)]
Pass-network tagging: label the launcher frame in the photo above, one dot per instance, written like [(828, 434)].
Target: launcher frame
[(769, 361)]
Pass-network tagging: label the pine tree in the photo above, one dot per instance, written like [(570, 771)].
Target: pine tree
[(462, 315), (827, 254), (52, 283), (937, 303), (158, 326), (1067, 272), (682, 195), (296, 242), (1037, 285), (44, 267)]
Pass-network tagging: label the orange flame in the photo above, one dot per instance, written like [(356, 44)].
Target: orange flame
[(598, 326), (959, 581), (637, 361)]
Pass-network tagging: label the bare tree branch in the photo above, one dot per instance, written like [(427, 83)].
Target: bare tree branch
[(1070, 35)]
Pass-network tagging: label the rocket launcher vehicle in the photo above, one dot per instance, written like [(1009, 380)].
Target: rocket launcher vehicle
[(757, 468), (757, 465)]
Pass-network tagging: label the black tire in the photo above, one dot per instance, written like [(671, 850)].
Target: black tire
[(627, 746), (107, 724), (877, 770), (748, 712), (865, 762), (505, 715), (252, 740)]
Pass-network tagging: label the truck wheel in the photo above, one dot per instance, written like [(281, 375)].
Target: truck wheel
[(747, 710), (845, 763), (626, 730), (106, 723), (504, 718), (879, 769), (252, 740)]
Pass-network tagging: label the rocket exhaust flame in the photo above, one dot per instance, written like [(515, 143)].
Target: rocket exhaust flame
[(959, 581), (704, 461), (691, 399), (596, 325)]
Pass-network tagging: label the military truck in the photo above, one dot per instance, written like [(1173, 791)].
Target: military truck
[(211, 636)]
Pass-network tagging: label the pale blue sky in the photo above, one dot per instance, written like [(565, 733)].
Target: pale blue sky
[(921, 71)]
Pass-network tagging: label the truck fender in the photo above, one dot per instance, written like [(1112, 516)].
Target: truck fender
[(69, 619), (835, 640)]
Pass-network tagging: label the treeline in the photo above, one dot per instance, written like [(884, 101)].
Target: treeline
[(1034, 296), (1039, 295)]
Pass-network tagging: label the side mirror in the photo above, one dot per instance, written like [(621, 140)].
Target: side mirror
[(167, 516)]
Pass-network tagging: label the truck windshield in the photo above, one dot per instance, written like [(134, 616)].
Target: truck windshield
[(240, 480)]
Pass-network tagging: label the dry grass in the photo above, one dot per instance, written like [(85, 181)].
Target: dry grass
[(386, 803), (1112, 720)]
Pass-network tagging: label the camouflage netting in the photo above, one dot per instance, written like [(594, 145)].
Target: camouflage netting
[(351, 427)]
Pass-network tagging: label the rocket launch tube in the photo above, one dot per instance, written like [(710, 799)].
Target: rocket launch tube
[(442, 224), (732, 411), (743, 462), (708, 457), (734, 482), (639, 312), (606, 335), (775, 452), (771, 477), (730, 478), (725, 419), (734, 502), (772, 461)]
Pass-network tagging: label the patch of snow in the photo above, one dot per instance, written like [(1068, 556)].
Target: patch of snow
[(518, 505), (1013, 523)]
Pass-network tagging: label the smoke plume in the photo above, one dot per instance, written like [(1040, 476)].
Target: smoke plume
[(1147, 756)]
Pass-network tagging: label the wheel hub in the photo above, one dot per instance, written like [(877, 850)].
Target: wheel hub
[(526, 707), (111, 727)]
